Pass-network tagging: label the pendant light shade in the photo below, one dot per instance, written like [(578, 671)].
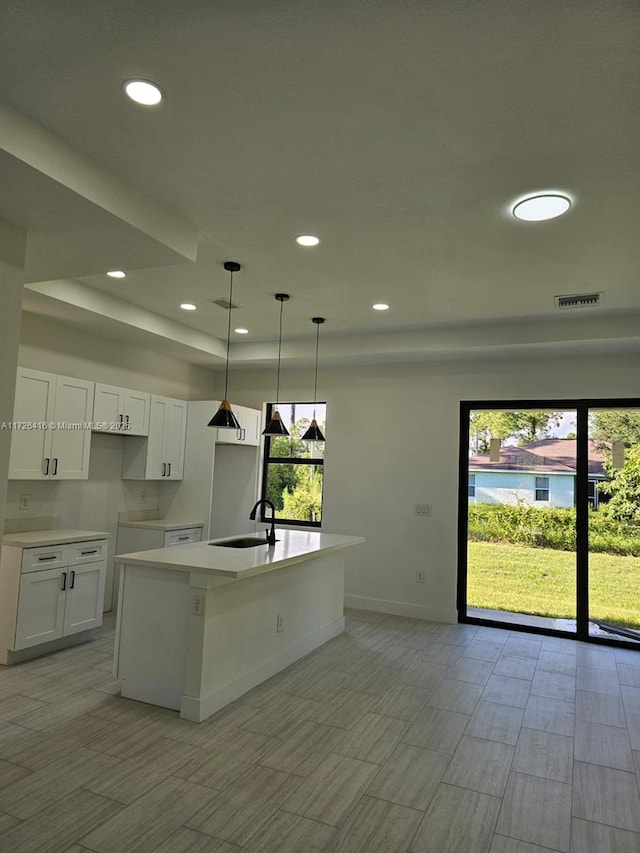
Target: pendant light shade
[(224, 417), (275, 426), (314, 433)]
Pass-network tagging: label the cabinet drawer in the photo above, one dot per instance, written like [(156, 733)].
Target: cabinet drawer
[(38, 559), (183, 536), (87, 552)]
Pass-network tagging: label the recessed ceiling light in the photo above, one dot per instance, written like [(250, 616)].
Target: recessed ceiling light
[(188, 306), (241, 331), (143, 92), (117, 274), (543, 206), (307, 240), (380, 306)]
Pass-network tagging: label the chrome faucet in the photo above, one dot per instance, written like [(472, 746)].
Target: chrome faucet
[(271, 534)]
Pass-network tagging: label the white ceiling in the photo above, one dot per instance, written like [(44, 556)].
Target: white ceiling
[(397, 132)]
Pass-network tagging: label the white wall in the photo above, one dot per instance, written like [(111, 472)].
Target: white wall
[(392, 442), (94, 504), (513, 487), (12, 248)]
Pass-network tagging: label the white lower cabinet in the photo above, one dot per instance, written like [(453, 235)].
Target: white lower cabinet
[(40, 608), (51, 592), (57, 602)]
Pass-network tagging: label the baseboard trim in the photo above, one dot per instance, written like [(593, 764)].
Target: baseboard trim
[(198, 710), (401, 608), (8, 657)]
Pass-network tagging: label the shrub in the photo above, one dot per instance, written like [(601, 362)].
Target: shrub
[(550, 528)]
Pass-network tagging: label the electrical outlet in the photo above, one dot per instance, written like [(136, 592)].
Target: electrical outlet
[(419, 575), (423, 509), (280, 622), (25, 501), (142, 497), (197, 604)]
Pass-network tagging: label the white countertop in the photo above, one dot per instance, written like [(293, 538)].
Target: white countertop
[(293, 546), (160, 524), (43, 538)]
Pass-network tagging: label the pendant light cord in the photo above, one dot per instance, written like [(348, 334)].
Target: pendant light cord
[(279, 354), (226, 372), (315, 383)]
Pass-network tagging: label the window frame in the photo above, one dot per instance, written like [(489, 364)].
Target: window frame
[(537, 489), (267, 459)]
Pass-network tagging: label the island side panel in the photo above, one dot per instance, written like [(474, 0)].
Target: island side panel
[(152, 634), (241, 647)]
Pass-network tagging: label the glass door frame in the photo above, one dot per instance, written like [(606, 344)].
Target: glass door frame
[(581, 407)]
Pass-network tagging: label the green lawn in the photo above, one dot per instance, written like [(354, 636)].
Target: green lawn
[(541, 581)]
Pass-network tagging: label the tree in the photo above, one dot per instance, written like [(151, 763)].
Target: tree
[(304, 503), (485, 425), (532, 425), (623, 488), (525, 426), (616, 425)]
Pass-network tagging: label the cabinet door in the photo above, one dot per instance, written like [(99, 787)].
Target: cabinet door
[(135, 409), (40, 607), (158, 417), (175, 428), (34, 404), (70, 447), (250, 424), (84, 597), (108, 406)]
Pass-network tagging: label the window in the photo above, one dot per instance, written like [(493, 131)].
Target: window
[(293, 470), (472, 485), (542, 488)]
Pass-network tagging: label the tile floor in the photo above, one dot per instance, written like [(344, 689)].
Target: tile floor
[(397, 736)]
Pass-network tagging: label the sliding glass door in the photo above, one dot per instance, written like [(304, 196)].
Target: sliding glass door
[(549, 517), (521, 518), (614, 524)]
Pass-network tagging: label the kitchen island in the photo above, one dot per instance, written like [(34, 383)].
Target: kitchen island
[(202, 624)]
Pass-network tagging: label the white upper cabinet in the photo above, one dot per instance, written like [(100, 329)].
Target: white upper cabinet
[(120, 410), (249, 432), (50, 435), (161, 455)]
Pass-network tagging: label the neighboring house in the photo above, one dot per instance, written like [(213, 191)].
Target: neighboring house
[(540, 474)]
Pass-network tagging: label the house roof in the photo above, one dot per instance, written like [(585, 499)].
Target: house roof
[(547, 456)]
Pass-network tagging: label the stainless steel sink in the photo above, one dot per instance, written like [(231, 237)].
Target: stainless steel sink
[(244, 542)]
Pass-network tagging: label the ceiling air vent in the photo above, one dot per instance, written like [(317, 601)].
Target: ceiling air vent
[(224, 303), (578, 300)]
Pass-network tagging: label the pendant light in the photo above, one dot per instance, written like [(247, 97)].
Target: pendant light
[(275, 425), (314, 433), (224, 417)]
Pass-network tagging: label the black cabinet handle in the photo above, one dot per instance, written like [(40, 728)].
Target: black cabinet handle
[(126, 420), (164, 469), (182, 538), (169, 471), (73, 579), (64, 581), (46, 559), (55, 466), (46, 467), (120, 420), (86, 553)]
